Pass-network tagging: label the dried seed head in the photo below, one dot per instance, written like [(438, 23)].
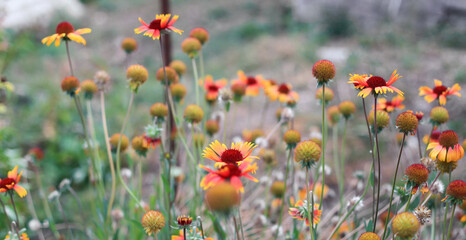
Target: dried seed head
[(211, 127), (439, 115), (329, 95), (222, 197), (406, 122), (457, 189), (137, 75), (153, 222), (89, 88), (114, 142), (347, 108), (200, 34), (307, 152), (129, 45), (383, 119), (323, 71), (179, 66), (417, 173), (292, 137), (193, 113), (70, 84), (369, 236), (191, 46), (423, 214), (102, 79), (405, 225)]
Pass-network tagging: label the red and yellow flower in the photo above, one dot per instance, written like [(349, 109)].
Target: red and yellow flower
[(236, 154), (230, 173), (212, 87), (65, 31), (439, 92), (374, 84), (11, 183), (253, 83), (299, 211), (447, 149), (390, 106), (281, 92), (161, 24)]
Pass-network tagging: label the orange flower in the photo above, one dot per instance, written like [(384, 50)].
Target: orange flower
[(161, 24), (212, 87), (24, 236), (374, 84), (281, 92), (238, 152), (447, 149), (439, 92), (66, 31), (11, 182), (253, 84), (299, 211), (390, 106), (231, 173)]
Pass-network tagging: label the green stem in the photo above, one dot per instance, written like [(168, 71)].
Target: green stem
[(352, 209), (342, 164), (240, 221), (378, 162), (371, 151), (310, 214), (393, 184), (97, 162), (280, 218), (409, 201), (8, 221), (419, 142), (196, 80), (201, 63), (451, 221), (69, 57), (45, 203), (14, 207), (118, 161), (434, 221), (445, 220), (109, 155), (323, 147)]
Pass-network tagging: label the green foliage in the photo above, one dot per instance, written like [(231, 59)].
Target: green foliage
[(336, 22)]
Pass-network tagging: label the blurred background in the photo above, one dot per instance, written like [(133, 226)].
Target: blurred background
[(280, 39)]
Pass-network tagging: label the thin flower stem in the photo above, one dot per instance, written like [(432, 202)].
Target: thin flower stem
[(225, 124), (324, 133), (280, 218), (445, 220), (69, 57), (310, 214), (428, 139), (14, 207), (352, 209), (97, 163), (200, 226), (240, 220), (378, 162), (451, 221), (434, 221), (196, 80), (394, 182), (342, 164), (371, 151), (15, 227), (409, 201), (419, 142), (201, 63), (110, 156), (236, 228), (184, 233), (45, 202), (6, 215), (125, 121), (274, 129)]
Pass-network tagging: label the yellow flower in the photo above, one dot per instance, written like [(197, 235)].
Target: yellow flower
[(66, 31)]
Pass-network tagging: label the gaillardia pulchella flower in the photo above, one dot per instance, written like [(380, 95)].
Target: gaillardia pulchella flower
[(307, 153), (153, 222), (299, 211), (323, 71), (11, 183), (375, 84), (439, 92), (392, 105), (161, 24), (253, 83), (447, 148), (65, 31), (237, 153)]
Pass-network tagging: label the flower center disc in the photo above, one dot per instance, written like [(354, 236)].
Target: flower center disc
[(251, 81), (64, 27), (448, 139), (376, 81), (435, 135), (213, 88), (155, 24), (229, 170), (231, 156), (439, 89), (283, 88), (7, 183)]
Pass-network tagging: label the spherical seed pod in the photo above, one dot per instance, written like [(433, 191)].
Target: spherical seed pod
[(307, 153), (178, 91), (457, 189), (268, 156), (333, 115), (70, 84), (89, 88), (222, 197), (417, 173), (439, 115), (199, 140), (448, 139), (212, 127), (277, 189), (347, 108), (329, 95), (369, 236), (405, 225), (383, 119), (179, 67), (139, 144), (102, 79), (153, 222), (137, 75), (114, 142), (172, 76), (406, 122), (323, 71), (292, 137), (159, 110), (445, 167), (129, 45), (238, 89), (191, 46), (200, 34), (64, 27), (193, 113)]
